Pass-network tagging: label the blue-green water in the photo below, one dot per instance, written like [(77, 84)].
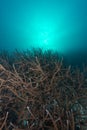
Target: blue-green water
[(50, 24)]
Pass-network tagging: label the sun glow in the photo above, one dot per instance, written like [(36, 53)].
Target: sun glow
[(44, 33)]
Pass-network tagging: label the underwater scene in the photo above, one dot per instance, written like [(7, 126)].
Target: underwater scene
[(43, 65)]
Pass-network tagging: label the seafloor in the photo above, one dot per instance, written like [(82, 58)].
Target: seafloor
[(39, 91)]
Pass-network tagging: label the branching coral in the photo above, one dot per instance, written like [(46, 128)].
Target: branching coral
[(38, 93)]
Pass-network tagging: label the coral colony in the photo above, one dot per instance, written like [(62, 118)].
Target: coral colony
[(39, 92)]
